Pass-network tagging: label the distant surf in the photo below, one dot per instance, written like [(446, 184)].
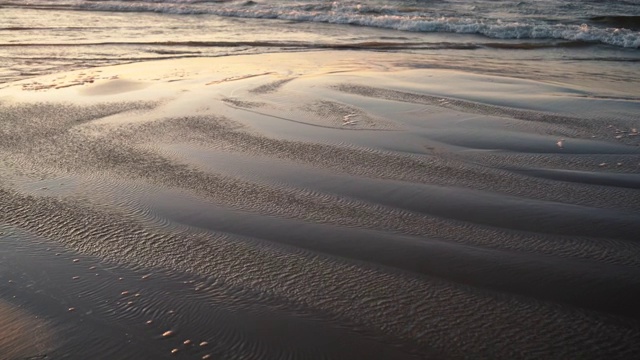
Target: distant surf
[(496, 20)]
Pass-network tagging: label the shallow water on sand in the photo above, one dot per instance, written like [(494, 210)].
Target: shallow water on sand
[(595, 43), (319, 206)]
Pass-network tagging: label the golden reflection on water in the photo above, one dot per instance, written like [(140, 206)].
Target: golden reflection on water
[(23, 335)]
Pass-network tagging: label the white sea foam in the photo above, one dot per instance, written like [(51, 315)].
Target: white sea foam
[(499, 19), (388, 17)]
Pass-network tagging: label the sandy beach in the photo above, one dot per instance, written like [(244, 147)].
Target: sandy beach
[(330, 204)]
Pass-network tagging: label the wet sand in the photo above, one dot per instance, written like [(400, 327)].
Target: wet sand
[(23, 335), (321, 205)]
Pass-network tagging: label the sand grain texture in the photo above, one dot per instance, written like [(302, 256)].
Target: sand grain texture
[(352, 203)]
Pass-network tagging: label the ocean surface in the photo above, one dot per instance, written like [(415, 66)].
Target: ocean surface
[(40, 36), (311, 179)]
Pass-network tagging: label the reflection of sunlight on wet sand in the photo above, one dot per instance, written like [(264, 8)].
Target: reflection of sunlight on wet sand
[(403, 201), (23, 335)]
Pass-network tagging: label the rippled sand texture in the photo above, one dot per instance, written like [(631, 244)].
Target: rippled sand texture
[(333, 207)]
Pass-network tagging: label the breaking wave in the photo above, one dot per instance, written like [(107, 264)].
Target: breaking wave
[(621, 31)]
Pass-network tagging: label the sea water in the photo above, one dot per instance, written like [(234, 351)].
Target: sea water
[(545, 37)]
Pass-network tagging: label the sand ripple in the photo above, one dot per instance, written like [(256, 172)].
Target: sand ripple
[(244, 214)]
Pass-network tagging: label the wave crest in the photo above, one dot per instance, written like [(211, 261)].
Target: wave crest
[(620, 31)]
